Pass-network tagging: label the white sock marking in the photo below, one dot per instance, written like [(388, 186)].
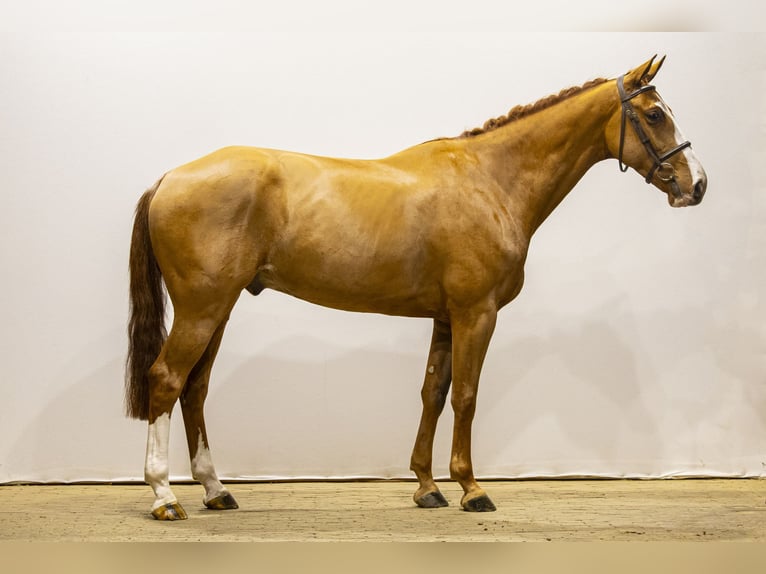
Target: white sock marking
[(203, 471), (156, 469)]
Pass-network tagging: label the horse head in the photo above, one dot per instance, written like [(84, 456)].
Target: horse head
[(643, 134)]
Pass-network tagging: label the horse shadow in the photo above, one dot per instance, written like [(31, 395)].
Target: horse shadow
[(354, 413), (566, 401), (543, 408), (79, 432)]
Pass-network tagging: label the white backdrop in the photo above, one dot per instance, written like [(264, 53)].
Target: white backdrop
[(637, 348)]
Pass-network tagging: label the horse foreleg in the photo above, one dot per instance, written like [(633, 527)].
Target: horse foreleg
[(434, 395), (217, 497), (471, 332)]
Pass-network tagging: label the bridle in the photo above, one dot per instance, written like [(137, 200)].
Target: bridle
[(662, 168)]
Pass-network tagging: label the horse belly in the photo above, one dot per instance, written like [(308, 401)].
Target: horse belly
[(356, 276)]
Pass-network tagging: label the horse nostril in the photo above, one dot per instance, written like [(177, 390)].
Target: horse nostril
[(699, 191)]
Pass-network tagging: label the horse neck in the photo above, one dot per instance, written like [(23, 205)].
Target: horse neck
[(539, 158)]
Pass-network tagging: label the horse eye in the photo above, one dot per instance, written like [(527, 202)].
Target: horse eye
[(655, 115)]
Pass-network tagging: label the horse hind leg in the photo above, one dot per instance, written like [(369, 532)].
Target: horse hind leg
[(217, 497), (185, 345), (434, 394)]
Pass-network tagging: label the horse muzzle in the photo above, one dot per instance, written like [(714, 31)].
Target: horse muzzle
[(677, 198)]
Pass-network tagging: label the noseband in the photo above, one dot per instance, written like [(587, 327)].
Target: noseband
[(662, 168)]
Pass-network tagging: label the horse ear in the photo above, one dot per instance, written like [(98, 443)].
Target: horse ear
[(644, 73), (652, 69)]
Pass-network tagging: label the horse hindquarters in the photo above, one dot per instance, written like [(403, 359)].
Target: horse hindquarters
[(186, 244)]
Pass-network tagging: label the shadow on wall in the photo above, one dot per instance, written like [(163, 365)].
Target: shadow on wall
[(272, 413), (570, 399), (589, 394), (81, 433), (338, 413), (356, 413), (557, 401)]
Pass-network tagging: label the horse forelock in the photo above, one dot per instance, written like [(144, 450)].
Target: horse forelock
[(523, 111)]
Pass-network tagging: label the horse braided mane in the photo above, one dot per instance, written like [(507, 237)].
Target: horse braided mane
[(529, 109)]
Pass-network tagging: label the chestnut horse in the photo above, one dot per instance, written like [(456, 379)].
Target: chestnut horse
[(439, 230)]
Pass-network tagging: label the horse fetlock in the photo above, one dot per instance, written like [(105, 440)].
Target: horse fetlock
[(462, 471)]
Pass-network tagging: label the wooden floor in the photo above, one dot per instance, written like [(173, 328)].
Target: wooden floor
[(580, 510), (625, 510)]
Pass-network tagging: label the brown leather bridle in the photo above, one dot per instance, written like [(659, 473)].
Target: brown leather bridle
[(662, 168)]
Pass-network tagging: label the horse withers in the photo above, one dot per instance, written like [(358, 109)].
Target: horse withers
[(440, 230)]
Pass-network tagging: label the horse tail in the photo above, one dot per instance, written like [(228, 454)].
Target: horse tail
[(146, 326)]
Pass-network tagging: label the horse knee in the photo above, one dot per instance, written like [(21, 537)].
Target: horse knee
[(434, 397), (464, 403)]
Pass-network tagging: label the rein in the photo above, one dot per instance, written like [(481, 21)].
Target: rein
[(662, 168)]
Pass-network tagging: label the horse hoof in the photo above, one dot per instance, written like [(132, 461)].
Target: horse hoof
[(223, 502), (432, 500), (170, 511), (479, 504)]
